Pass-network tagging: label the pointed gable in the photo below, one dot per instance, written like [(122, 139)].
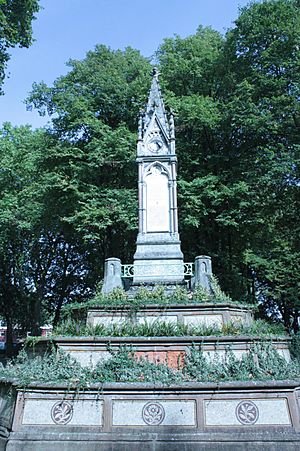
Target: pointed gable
[(156, 105), (155, 130)]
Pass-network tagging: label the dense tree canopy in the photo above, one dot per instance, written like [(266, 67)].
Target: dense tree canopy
[(15, 27), (69, 193)]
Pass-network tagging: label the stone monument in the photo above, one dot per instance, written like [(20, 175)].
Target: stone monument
[(187, 415), (158, 258)]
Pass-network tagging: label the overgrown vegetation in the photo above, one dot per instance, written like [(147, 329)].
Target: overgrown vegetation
[(158, 328), (295, 346), (118, 298), (261, 363)]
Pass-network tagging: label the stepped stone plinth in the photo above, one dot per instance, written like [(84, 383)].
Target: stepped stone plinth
[(196, 315), (170, 351), (225, 416)]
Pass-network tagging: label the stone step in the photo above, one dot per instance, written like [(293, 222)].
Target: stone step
[(135, 416), (204, 314), (164, 350)]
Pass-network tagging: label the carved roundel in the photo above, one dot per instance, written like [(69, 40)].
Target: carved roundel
[(247, 412), (62, 412), (153, 413), (155, 145)]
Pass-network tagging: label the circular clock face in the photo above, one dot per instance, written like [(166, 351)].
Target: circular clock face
[(155, 145)]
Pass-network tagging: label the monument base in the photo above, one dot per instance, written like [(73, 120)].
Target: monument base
[(223, 417), (158, 259)]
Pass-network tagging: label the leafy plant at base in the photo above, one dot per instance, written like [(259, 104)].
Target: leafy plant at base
[(201, 294), (217, 294), (295, 346), (180, 295), (262, 362), (158, 328)]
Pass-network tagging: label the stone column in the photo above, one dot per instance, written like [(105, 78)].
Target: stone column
[(203, 269), (174, 196), (112, 275)]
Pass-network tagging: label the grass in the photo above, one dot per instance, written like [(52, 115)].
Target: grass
[(72, 328)]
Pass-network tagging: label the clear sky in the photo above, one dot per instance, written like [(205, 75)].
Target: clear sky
[(69, 28)]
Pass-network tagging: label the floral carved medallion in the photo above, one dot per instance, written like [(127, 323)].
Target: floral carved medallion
[(247, 412), (153, 413), (62, 412)]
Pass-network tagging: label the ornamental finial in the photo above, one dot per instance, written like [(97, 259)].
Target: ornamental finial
[(155, 72)]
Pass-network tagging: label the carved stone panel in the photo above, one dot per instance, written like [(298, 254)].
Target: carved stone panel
[(154, 413)]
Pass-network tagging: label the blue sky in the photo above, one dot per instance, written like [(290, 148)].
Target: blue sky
[(69, 28)]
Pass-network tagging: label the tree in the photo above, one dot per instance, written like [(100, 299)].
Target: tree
[(15, 24), (19, 212), (97, 104), (237, 104), (238, 145), (263, 118)]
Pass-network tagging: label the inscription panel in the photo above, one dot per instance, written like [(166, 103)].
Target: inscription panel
[(88, 357), (156, 319)]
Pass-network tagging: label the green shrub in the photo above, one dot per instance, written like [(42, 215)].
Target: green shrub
[(217, 294), (295, 346), (179, 296), (261, 363), (200, 294)]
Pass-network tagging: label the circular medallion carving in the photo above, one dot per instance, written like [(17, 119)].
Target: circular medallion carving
[(247, 412), (62, 412), (153, 413)]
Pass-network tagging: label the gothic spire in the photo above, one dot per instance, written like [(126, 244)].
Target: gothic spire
[(156, 104)]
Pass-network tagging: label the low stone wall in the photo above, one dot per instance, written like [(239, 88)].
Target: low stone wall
[(205, 314), (226, 416), (166, 350)]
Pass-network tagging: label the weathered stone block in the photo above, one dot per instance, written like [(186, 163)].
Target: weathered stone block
[(154, 413)]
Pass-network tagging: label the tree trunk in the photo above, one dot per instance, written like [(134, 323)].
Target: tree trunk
[(36, 330), (9, 337)]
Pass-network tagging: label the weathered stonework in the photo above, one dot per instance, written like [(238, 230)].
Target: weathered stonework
[(202, 314), (167, 350), (158, 256), (225, 416)]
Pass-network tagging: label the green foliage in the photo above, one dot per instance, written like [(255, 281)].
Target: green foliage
[(201, 294), (124, 367), (180, 295), (295, 346), (53, 367), (58, 367), (159, 328), (217, 294), (261, 363), (15, 25), (69, 198), (118, 298), (188, 75)]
